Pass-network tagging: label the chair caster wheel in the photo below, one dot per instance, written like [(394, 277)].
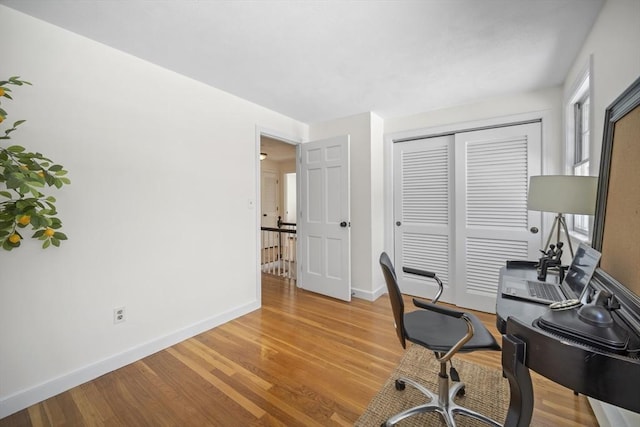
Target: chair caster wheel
[(400, 385), (460, 392)]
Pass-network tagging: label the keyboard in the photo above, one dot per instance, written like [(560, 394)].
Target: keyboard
[(544, 290)]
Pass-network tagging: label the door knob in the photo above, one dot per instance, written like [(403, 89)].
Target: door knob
[(343, 224), (398, 223), (534, 230)]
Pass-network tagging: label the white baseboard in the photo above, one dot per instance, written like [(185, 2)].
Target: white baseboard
[(612, 416), (25, 398), (369, 295)]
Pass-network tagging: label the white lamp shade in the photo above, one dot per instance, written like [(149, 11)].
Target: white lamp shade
[(568, 194)]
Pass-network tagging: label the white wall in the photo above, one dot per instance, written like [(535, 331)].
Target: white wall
[(548, 101), (152, 223), (377, 204), (614, 47), (365, 202)]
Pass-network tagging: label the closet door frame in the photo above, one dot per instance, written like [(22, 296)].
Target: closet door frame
[(544, 117)]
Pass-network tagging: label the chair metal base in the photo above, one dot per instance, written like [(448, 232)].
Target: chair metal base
[(441, 403)]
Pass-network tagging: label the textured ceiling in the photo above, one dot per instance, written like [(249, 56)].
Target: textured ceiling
[(320, 60)]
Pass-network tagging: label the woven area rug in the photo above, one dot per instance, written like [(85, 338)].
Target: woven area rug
[(487, 392)]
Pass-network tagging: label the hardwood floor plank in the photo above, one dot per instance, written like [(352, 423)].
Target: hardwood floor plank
[(248, 405), (301, 360), (197, 393), (181, 407), (226, 365)]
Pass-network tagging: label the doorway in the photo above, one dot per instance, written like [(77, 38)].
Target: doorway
[(322, 209), (277, 180), (278, 234)]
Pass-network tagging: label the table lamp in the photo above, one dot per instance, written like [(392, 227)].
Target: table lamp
[(563, 194)]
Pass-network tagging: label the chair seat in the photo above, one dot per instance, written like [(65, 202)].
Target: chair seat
[(439, 333)]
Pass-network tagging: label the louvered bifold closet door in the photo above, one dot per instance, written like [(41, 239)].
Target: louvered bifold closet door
[(422, 213), (493, 224)]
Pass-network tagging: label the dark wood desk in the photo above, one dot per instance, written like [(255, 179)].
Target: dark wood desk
[(606, 376), (506, 307)]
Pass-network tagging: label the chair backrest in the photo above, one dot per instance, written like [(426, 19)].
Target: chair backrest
[(395, 296)]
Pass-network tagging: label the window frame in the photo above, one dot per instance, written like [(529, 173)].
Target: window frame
[(575, 144)]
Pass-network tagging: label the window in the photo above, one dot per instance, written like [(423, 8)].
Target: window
[(581, 155), (577, 145)]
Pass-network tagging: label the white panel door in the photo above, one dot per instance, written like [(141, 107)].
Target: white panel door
[(493, 224), (422, 213), (324, 235)]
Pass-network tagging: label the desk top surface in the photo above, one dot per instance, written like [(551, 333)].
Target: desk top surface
[(506, 307)]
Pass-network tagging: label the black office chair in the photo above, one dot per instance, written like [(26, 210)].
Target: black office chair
[(444, 331)]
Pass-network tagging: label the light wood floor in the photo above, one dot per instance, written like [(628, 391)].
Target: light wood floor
[(301, 360)]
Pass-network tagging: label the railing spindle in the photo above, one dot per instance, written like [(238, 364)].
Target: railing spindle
[(279, 250)]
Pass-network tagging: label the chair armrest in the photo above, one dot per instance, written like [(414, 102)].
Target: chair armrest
[(430, 275), (424, 273), (446, 311), (438, 308)]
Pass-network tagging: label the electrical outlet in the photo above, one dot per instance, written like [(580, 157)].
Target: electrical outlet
[(119, 315)]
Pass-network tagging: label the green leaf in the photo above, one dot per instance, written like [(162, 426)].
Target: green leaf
[(36, 222), (18, 123), (55, 242), (35, 183), (5, 194), (16, 149), (37, 234), (46, 244), (60, 236)]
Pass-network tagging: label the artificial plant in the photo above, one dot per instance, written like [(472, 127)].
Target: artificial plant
[(23, 176)]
